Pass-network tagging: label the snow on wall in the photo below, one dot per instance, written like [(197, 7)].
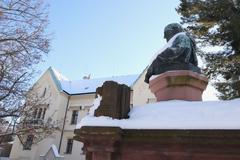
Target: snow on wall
[(175, 115)]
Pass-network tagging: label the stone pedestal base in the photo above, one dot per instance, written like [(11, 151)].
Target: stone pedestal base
[(100, 143), (179, 85), (113, 143)]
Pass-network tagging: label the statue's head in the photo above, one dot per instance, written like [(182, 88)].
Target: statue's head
[(172, 29)]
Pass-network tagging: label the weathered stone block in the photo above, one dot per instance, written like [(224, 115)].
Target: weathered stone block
[(115, 100), (113, 143)]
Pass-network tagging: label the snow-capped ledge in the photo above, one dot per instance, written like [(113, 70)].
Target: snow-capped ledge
[(175, 115)]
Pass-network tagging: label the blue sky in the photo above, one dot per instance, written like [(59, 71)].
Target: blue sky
[(106, 37)]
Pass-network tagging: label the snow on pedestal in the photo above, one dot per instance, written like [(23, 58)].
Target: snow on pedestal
[(96, 104), (175, 114), (165, 130)]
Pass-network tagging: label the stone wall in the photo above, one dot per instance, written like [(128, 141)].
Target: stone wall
[(113, 143)]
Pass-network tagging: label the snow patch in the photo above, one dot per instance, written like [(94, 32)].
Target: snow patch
[(212, 49), (96, 104), (55, 151), (169, 44), (153, 77), (214, 29)]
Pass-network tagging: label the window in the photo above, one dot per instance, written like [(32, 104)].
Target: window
[(69, 146), (74, 117), (35, 113), (44, 92), (28, 144), (44, 111), (39, 113)]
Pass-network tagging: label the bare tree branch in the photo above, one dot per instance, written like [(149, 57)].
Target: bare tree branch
[(23, 42)]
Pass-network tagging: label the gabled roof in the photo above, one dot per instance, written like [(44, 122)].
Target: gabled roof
[(55, 78), (85, 86)]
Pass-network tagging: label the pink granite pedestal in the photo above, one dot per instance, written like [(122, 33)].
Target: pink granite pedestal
[(178, 85)]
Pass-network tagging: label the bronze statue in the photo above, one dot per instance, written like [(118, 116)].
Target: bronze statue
[(180, 53)]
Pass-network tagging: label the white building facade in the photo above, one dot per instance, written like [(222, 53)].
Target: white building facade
[(68, 102)]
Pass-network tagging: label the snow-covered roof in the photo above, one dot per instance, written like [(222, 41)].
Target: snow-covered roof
[(90, 85), (175, 115), (59, 75), (84, 86)]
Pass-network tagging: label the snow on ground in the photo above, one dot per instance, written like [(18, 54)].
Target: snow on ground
[(210, 94), (175, 114)]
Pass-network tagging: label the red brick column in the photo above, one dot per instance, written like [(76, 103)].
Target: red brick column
[(100, 143)]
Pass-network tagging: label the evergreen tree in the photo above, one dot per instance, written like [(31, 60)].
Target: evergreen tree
[(216, 23)]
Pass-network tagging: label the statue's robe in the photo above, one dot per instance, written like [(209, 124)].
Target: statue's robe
[(179, 56)]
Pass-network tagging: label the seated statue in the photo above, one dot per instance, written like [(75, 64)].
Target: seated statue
[(178, 54)]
